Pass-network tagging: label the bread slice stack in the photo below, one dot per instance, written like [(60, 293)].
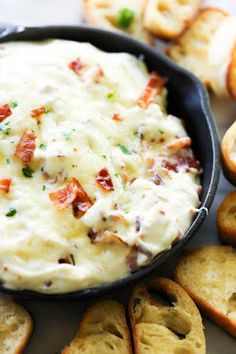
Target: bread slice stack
[(103, 330), (15, 327), (208, 274), (172, 326), (208, 49)]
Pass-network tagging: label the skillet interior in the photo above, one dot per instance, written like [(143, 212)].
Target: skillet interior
[(186, 99)]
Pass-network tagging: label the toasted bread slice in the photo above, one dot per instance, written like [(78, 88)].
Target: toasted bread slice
[(103, 330), (160, 328), (208, 274), (191, 50), (228, 153), (113, 15), (15, 327), (226, 219), (168, 18)]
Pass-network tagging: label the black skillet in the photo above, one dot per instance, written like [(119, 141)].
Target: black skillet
[(187, 99)]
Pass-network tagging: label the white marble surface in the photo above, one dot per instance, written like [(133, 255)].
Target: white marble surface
[(56, 323)]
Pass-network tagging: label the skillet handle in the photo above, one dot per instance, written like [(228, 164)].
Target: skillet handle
[(6, 29)]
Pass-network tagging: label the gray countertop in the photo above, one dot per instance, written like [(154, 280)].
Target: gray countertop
[(56, 323)]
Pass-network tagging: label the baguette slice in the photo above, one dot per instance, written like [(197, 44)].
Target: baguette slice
[(226, 219), (191, 50), (228, 153), (173, 328), (208, 274), (168, 18), (104, 14), (15, 327), (103, 330)]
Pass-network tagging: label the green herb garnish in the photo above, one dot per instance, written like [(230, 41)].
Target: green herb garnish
[(124, 149), (104, 156), (44, 188), (125, 18), (13, 104), (11, 212), (43, 146), (8, 161), (136, 133), (116, 174), (73, 166), (4, 129), (111, 95), (27, 172), (161, 131)]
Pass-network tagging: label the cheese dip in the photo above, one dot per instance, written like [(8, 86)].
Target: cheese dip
[(96, 178)]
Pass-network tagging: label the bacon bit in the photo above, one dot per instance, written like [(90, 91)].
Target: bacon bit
[(125, 178), (37, 112), (138, 223), (119, 218), (104, 180), (73, 194), (184, 163), (25, 148), (67, 260), (5, 111), (5, 184), (76, 66), (150, 162), (132, 257), (117, 117), (66, 196), (98, 74), (157, 180), (181, 143), (82, 202), (153, 87), (48, 283), (108, 238)]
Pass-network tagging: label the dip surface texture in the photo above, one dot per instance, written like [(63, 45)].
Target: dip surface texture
[(95, 177)]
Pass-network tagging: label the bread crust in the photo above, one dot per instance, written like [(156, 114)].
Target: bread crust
[(191, 48), (160, 16), (163, 286), (16, 313), (231, 74), (103, 319), (206, 306), (90, 18), (226, 219), (228, 148)]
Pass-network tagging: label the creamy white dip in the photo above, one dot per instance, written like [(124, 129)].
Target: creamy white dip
[(89, 121)]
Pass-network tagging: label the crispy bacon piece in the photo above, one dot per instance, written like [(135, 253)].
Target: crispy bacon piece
[(37, 112), (66, 196), (69, 259), (132, 257), (117, 117), (73, 194), (99, 74), (82, 202), (5, 111), (76, 66), (181, 143), (5, 184), (25, 148), (104, 180), (108, 238), (153, 87), (179, 163)]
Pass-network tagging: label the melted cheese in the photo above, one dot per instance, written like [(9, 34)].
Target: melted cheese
[(77, 138)]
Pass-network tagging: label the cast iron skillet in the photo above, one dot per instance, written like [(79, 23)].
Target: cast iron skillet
[(186, 98)]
